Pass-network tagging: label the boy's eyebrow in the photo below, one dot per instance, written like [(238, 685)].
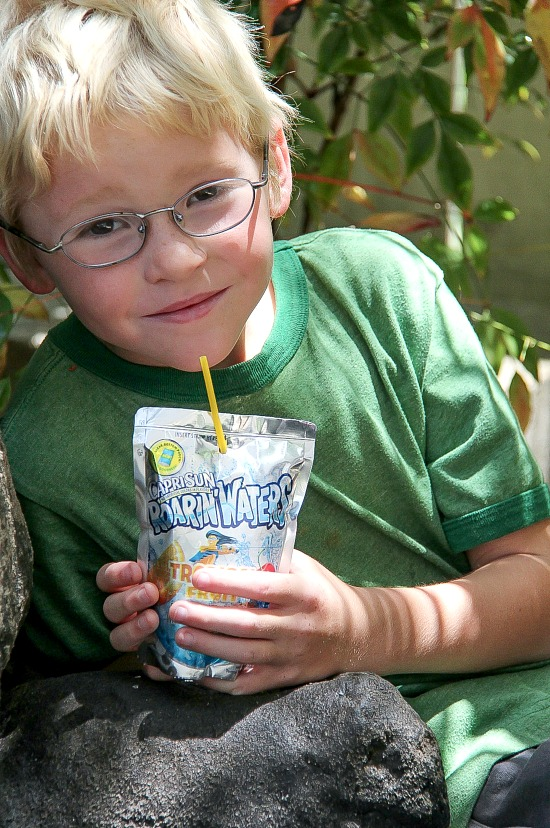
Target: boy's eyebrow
[(98, 195), (80, 209)]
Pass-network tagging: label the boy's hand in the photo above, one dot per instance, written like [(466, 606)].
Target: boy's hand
[(312, 629), (129, 607)]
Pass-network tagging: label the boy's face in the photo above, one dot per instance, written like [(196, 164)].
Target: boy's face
[(179, 297)]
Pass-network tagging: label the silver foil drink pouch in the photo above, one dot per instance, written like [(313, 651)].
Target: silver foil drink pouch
[(198, 507)]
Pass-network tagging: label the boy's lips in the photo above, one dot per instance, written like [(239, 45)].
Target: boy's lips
[(189, 309)]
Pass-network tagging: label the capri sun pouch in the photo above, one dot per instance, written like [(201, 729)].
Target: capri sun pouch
[(198, 507)]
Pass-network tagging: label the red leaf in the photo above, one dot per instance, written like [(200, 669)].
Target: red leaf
[(278, 18), (400, 221), (489, 57), (537, 24), (467, 25), (520, 400), (461, 28)]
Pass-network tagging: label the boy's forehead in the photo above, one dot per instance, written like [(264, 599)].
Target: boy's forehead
[(128, 163)]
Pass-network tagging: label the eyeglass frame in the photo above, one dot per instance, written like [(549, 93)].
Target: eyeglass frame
[(256, 185)]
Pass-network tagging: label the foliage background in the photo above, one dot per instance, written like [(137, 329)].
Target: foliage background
[(397, 100)]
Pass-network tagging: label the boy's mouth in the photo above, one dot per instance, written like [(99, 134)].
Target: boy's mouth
[(190, 309)]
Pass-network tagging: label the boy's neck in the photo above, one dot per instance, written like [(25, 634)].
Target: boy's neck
[(259, 324)]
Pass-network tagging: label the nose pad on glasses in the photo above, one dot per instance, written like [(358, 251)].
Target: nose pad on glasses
[(141, 228), (178, 217)]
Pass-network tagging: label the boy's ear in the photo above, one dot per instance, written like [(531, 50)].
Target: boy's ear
[(32, 276), (280, 151)]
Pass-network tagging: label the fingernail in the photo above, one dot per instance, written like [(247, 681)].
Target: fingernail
[(143, 622), (202, 578), (185, 637), (179, 614)]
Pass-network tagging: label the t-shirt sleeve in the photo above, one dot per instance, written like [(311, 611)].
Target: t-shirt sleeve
[(484, 477)]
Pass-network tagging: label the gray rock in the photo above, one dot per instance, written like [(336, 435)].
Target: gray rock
[(15, 562), (115, 750)]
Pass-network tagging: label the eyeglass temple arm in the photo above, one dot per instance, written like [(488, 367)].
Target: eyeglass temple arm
[(265, 166), (9, 228)]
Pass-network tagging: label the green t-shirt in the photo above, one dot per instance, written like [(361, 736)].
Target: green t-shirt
[(418, 457)]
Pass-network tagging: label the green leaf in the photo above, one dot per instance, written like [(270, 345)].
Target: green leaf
[(435, 89), (5, 393), (527, 148), (451, 262), (476, 248), (497, 22), (332, 50), (24, 303), (511, 333), (356, 66), (335, 163), (401, 20), (326, 13), (382, 100), (420, 147), (455, 172), (401, 117), (460, 31), (315, 120), (495, 209), (380, 157), (520, 71), (511, 320), (434, 57), (6, 317), (531, 362), (4, 273), (466, 129), (360, 34), (491, 340)]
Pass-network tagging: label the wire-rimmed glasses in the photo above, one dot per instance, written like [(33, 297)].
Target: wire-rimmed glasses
[(112, 238)]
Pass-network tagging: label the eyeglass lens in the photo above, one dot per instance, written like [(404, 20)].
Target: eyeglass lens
[(205, 211)]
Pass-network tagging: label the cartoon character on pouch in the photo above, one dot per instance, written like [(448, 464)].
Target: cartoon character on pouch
[(217, 544)]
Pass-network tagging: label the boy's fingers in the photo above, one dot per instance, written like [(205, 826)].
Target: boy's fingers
[(121, 606), (120, 575), (128, 637), (156, 674)]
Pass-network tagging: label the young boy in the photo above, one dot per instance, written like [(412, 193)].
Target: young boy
[(142, 159)]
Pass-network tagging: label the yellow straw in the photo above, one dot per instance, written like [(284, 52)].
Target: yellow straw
[(220, 436)]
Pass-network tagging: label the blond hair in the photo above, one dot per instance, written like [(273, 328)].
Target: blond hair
[(66, 65)]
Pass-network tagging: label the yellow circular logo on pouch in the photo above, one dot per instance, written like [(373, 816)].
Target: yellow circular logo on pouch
[(166, 457)]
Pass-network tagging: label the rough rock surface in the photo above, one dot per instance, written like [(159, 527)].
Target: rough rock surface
[(15, 562), (114, 750)]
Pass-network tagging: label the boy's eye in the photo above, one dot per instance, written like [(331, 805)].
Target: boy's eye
[(101, 228), (208, 193), (104, 227)]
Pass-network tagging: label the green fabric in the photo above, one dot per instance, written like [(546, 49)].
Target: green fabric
[(415, 444)]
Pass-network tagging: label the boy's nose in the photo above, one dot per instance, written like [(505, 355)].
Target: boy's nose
[(169, 253)]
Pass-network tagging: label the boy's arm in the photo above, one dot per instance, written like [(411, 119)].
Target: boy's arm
[(316, 625), (495, 616)]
